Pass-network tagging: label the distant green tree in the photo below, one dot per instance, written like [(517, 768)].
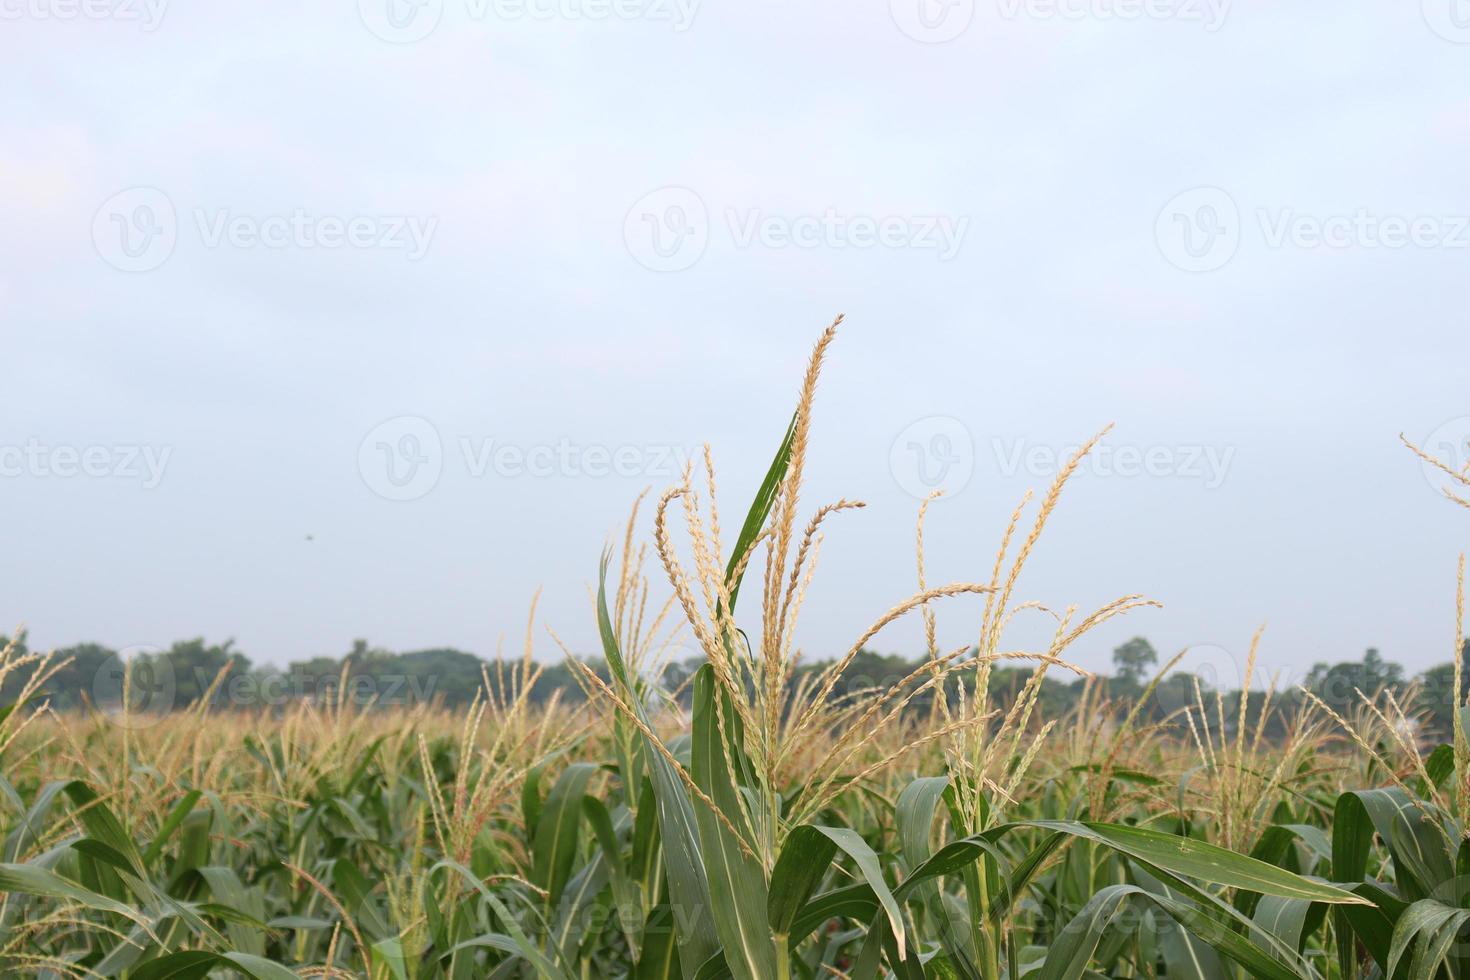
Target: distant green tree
[(1338, 685), (192, 666), (80, 677), (446, 674), (92, 674), (1437, 696), (679, 673), (360, 676), (1174, 692), (559, 677), (78, 674), (1132, 660), (1056, 698), (317, 668)]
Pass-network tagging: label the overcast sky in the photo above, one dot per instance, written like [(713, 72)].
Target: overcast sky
[(334, 320)]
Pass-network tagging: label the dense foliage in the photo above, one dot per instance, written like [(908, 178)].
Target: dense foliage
[(90, 676)]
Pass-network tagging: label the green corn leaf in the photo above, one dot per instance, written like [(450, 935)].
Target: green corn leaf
[(1419, 857), (531, 802), (192, 964), (1184, 954), (1284, 918), (714, 968), (388, 954), (102, 824), (31, 828), (355, 892), (805, 857), (1201, 861), (1420, 849), (1373, 925), (578, 899), (98, 851), (1070, 952), (658, 958), (867, 864), (1432, 927), (914, 817), (559, 830), (1072, 949), (185, 965), (760, 509), (29, 879), (519, 943), (176, 817), (683, 861), (625, 890), (256, 967), (737, 886)]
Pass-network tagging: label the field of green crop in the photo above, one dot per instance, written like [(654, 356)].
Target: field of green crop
[(782, 825)]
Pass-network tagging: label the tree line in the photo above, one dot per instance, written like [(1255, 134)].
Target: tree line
[(178, 677)]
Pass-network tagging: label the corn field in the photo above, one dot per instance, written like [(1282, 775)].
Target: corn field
[(765, 824)]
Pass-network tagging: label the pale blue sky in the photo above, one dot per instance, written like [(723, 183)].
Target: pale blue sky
[(1236, 230)]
